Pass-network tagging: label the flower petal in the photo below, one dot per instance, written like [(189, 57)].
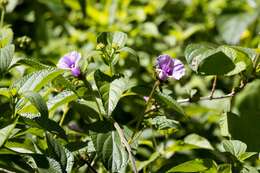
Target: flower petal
[(178, 70), (75, 71), (64, 62)]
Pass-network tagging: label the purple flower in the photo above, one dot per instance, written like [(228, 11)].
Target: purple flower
[(70, 62), (167, 67)]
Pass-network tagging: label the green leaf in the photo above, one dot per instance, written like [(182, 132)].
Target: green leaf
[(14, 163), (201, 142), (249, 169), (5, 92), (6, 36), (60, 99), (30, 62), (225, 168), (110, 151), (196, 165), (246, 155), (37, 100), (37, 121), (45, 164), (5, 133), (36, 80), (131, 51), (151, 159), (53, 167), (6, 56), (110, 90), (60, 154), (113, 38), (63, 83), (235, 147), (162, 122), (247, 104), (206, 59), (231, 26), (168, 102)]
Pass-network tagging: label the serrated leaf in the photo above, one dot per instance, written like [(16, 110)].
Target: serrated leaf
[(246, 155), (5, 133), (110, 90), (206, 59), (162, 122), (60, 154), (235, 147), (117, 38), (225, 168), (6, 56), (37, 100), (168, 102), (249, 169), (30, 62), (196, 165), (231, 26), (110, 151), (6, 36), (36, 80), (60, 99), (35, 120), (46, 164)]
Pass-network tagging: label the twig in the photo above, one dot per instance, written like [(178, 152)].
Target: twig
[(213, 87), (126, 144), (207, 98), (89, 165)]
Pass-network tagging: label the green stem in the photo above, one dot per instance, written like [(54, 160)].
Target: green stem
[(156, 84), (65, 111), (147, 107), (126, 144), (2, 17), (111, 69)]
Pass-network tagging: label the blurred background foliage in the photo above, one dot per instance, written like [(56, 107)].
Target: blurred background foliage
[(47, 29)]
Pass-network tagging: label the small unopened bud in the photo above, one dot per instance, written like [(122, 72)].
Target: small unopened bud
[(23, 41), (100, 46)]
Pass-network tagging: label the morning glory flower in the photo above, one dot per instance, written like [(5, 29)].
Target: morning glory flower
[(70, 62), (167, 67)]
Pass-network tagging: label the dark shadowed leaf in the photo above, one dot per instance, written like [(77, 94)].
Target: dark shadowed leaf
[(60, 154), (110, 150), (110, 90), (6, 56)]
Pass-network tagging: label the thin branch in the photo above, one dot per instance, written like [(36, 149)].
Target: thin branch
[(126, 144), (89, 165), (208, 98), (213, 87)]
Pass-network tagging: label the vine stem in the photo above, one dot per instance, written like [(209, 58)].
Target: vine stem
[(126, 144)]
